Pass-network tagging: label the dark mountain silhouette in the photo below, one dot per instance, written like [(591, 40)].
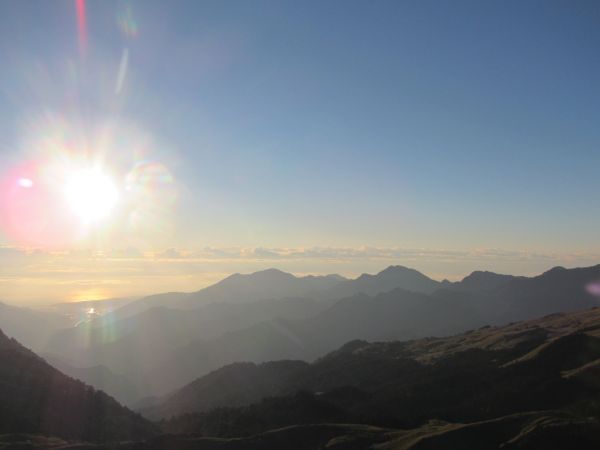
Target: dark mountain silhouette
[(515, 386), (481, 281), (37, 398), (549, 430), (556, 290)]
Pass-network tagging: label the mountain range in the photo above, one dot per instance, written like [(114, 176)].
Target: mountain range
[(163, 348), (564, 345), (400, 362), (527, 385)]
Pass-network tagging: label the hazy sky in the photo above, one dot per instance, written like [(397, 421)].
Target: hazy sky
[(444, 135)]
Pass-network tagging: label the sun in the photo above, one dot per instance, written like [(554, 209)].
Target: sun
[(91, 194)]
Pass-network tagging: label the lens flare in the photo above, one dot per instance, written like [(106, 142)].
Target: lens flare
[(81, 24), (594, 288), (85, 183), (126, 21), (32, 210)]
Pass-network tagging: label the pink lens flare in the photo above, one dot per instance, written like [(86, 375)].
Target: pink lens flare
[(594, 288), (32, 210), (81, 25)]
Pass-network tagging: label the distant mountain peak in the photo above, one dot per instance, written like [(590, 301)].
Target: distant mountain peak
[(483, 280), (478, 274), (556, 269), (271, 272), (397, 267)]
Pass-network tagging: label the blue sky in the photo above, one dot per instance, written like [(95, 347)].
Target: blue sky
[(418, 124)]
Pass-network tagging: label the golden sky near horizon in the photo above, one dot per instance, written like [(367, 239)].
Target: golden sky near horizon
[(30, 277)]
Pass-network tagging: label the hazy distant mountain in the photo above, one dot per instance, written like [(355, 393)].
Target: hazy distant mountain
[(162, 349), (265, 341), (266, 284), (556, 290), (481, 281), (503, 383), (135, 345), (37, 398), (237, 288), (393, 315), (31, 327), (100, 377), (391, 278), (237, 384)]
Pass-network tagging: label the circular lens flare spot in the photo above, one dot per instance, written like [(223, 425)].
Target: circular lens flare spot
[(91, 195)]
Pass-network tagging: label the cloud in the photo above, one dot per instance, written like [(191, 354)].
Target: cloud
[(170, 253), (15, 254), (382, 253), (29, 275)]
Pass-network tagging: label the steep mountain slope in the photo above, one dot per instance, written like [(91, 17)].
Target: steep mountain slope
[(237, 384), (37, 398), (101, 378), (495, 379)]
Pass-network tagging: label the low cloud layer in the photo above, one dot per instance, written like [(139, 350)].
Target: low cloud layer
[(34, 276)]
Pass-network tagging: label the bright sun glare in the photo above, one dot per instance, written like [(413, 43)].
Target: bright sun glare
[(91, 194)]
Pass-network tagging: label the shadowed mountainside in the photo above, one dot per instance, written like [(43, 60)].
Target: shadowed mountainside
[(478, 375), (528, 385), (528, 431), (100, 377), (36, 398)]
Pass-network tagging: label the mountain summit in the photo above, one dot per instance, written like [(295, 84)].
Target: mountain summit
[(388, 279)]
